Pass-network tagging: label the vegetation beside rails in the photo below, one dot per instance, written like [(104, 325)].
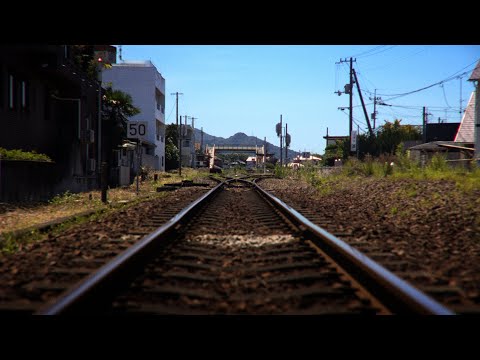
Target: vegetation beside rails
[(11, 242), (19, 222), (391, 167)]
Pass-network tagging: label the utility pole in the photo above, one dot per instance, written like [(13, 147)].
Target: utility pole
[(193, 140), (424, 117), (460, 110), (264, 153), (363, 103), (178, 137), (374, 114), (351, 101), (349, 90), (281, 129), (286, 144)]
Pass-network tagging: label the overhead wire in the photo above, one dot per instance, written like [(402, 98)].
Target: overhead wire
[(450, 78)]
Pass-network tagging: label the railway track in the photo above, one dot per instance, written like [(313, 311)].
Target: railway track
[(408, 267), (65, 262), (238, 250)]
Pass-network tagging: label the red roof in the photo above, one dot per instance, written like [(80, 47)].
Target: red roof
[(465, 131)]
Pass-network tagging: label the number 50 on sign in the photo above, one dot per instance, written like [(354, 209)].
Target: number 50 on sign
[(137, 129)]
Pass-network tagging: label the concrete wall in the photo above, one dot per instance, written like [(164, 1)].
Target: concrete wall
[(27, 180)]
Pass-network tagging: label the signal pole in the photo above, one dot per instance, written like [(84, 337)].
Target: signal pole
[(281, 162), (286, 143), (178, 136)]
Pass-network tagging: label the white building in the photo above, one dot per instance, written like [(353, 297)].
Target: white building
[(188, 146), (145, 84)]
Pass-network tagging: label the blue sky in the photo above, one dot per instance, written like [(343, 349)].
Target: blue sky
[(245, 88)]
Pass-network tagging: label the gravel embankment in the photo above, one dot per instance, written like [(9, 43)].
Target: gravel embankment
[(433, 225)]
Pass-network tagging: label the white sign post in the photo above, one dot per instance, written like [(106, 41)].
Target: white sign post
[(137, 130), (353, 141)]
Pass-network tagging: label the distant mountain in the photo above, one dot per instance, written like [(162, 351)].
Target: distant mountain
[(241, 139)]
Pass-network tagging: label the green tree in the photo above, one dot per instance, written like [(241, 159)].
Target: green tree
[(387, 138), (392, 134), (339, 150), (117, 106), (171, 149)]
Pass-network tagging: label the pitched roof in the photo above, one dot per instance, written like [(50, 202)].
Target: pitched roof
[(438, 145), (476, 73), (466, 129)]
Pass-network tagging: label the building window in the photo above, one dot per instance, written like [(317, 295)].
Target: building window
[(162, 160), (186, 143), (24, 94), (11, 92)]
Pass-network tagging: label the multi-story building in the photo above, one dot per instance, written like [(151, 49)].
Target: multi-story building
[(49, 103), (142, 81)]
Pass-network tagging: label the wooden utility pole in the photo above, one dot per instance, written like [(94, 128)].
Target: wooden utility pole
[(374, 114), (194, 165), (178, 135), (363, 103), (424, 133), (351, 102)]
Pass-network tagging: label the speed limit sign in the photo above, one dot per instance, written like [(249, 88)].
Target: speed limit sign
[(137, 129)]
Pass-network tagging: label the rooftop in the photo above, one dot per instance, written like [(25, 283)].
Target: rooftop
[(466, 128)]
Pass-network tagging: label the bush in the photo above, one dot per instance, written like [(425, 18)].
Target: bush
[(23, 155)]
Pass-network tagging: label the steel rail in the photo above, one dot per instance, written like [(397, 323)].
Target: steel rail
[(401, 296), (95, 291)]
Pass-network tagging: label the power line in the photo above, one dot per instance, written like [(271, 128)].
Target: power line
[(398, 60), (451, 77), (367, 51), (173, 107), (381, 51), (444, 96)]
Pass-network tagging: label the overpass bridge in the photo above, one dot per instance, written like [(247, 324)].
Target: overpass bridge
[(259, 152)]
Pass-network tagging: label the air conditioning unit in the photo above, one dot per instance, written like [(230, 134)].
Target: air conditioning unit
[(91, 165)]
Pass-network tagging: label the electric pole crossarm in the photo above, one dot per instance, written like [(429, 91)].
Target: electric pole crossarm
[(363, 103)]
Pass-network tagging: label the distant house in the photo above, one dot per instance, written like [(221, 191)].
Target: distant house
[(441, 131), (457, 148), (251, 162), (332, 140)]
